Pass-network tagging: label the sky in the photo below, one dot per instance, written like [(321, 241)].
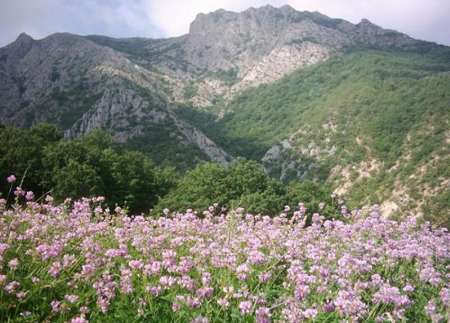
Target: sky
[(421, 19)]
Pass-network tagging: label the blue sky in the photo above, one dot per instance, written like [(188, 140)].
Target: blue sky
[(428, 20)]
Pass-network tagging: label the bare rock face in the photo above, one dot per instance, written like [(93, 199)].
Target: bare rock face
[(265, 44), (282, 61)]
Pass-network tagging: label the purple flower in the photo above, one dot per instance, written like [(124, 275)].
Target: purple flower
[(79, 319), (29, 196), (245, 307), (329, 307), (262, 315), (11, 179), (136, 264), (13, 264), (71, 298)]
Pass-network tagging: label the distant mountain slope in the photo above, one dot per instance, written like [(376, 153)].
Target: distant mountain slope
[(78, 85), (226, 52), (360, 107), (373, 124)]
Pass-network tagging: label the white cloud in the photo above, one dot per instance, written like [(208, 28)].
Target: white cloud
[(174, 16), (119, 18)]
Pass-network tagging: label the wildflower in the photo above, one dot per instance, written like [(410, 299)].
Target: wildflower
[(11, 179), (329, 306), (205, 292), (388, 294), (29, 196), (71, 298), (408, 288), (310, 313), (256, 257), (12, 287), (206, 278), (19, 191), (55, 268), (445, 296), (125, 281), (79, 319), (3, 248), (348, 303), (21, 295), (136, 264), (200, 319), (245, 307), (262, 315), (264, 277), (56, 306), (13, 264), (223, 302), (301, 292)]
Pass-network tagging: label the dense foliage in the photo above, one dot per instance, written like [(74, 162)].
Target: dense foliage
[(245, 184), (79, 262), (94, 166), (84, 167)]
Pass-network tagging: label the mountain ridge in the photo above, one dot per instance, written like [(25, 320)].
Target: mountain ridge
[(249, 84)]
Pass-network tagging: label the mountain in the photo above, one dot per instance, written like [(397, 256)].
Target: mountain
[(373, 125), (79, 85), (358, 107)]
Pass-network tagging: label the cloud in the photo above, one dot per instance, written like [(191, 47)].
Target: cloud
[(174, 16), (39, 18), (164, 18)]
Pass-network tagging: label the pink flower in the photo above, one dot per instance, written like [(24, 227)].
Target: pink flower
[(55, 268), (71, 298), (3, 248), (19, 191), (21, 295), (136, 264), (264, 277), (13, 264), (245, 307), (200, 319), (11, 179), (310, 313), (79, 319), (56, 306), (12, 286), (29, 196), (223, 302), (263, 315)]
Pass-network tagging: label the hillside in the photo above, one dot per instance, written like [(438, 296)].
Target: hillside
[(362, 109), (372, 124), (80, 86)]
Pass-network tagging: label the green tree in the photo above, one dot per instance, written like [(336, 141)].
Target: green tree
[(21, 154)]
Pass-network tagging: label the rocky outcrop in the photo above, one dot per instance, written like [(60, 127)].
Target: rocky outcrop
[(122, 85)]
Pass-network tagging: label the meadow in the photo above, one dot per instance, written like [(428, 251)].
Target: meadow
[(79, 261)]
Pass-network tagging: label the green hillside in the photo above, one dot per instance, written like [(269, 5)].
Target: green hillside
[(385, 113)]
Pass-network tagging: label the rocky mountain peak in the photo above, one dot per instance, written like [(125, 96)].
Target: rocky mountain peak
[(365, 21), (24, 37), (19, 48)]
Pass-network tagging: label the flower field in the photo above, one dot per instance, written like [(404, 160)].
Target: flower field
[(79, 262)]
